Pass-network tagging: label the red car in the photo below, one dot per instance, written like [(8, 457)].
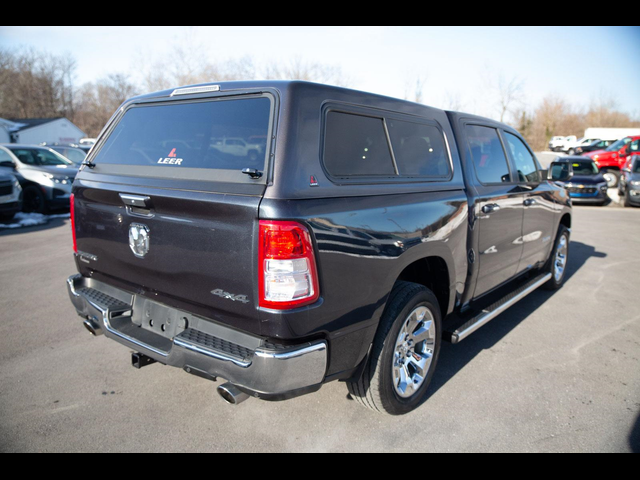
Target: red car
[(611, 160)]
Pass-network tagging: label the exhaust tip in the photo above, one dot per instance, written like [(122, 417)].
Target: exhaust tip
[(232, 394), (92, 327)]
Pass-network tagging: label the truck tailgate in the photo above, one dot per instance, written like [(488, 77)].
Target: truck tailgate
[(200, 246)]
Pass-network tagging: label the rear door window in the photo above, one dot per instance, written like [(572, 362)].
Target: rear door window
[(161, 139)]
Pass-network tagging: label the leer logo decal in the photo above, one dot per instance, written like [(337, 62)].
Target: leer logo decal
[(171, 159)]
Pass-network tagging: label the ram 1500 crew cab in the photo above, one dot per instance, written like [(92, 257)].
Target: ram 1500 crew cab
[(367, 231)]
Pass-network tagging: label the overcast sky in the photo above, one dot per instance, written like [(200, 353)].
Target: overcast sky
[(579, 64)]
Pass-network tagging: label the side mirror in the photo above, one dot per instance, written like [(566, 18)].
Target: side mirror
[(559, 172)]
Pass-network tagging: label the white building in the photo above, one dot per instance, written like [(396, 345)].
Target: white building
[(5, 130), (33, 131)]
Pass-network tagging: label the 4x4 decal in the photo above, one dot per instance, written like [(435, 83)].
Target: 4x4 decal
[(229, 296)]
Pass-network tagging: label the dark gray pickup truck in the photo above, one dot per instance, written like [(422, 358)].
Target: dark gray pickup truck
[(367, 230)]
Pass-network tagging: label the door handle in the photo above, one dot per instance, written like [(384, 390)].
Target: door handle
[(490, 208), (530, 201)]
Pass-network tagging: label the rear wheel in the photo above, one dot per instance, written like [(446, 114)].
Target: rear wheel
[(404, 353)]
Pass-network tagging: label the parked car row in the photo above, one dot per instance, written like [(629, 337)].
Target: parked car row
[(609, 156), (40, 178), (572, 145), (612, 159)]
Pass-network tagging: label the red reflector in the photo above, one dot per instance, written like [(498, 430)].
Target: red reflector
[(288, 275), (72, 199)]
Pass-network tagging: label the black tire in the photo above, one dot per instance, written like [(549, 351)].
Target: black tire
[(34, 200), (6, 218), (557, 280), (376, 388), (627, 199)]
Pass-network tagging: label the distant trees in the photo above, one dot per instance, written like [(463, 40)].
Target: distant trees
[(35, 84), (40, 85), (554, 116)]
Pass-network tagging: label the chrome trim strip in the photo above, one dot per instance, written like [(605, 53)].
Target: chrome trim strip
[(72, 287), (190, 90), (210, 353), (484, 319), (134, 200), (272, 355)]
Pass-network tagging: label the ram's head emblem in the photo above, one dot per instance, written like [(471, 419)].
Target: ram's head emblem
[(139, 239)]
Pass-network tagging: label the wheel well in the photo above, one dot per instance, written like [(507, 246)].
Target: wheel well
[(432, 272), (566, 220)]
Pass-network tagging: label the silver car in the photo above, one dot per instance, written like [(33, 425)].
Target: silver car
[(629, 188), (45, 175), (10, 196)]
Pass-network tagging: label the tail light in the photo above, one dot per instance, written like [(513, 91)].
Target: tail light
[(288, 273), (73, 221)]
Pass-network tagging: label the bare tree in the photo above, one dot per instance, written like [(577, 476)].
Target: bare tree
[(35, 84), (299, 69), (96, 102), (414, 90), (510, 94)]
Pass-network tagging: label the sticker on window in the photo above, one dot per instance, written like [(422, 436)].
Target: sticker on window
[(171, 159)]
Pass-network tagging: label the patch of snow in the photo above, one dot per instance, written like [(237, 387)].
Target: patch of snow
[(22, 220)]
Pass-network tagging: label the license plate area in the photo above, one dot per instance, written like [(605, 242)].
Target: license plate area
[(160, 319)]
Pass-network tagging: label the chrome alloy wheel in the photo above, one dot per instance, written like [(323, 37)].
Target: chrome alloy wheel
[(560, 262), (414, 351)]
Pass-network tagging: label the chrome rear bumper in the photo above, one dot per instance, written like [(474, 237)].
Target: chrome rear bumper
[(196, 344)]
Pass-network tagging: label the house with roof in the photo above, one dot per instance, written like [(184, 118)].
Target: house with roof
[(34, 131)]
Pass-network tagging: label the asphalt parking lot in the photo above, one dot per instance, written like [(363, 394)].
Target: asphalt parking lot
[(559, 372)]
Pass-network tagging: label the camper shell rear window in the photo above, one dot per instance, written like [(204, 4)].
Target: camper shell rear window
[(213, 139)]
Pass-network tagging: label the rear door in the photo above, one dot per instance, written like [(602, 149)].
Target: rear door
[(167, 214)]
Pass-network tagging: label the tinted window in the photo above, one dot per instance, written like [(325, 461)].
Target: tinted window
[(585, 168), (419, 149), (355, 145), (560, 171), (525, 163), (615, 146), (488, 155), (39, 157), (213, 135), (74, 154), (636, 167)]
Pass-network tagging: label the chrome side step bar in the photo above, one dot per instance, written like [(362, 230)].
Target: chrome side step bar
[(488, 314)]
